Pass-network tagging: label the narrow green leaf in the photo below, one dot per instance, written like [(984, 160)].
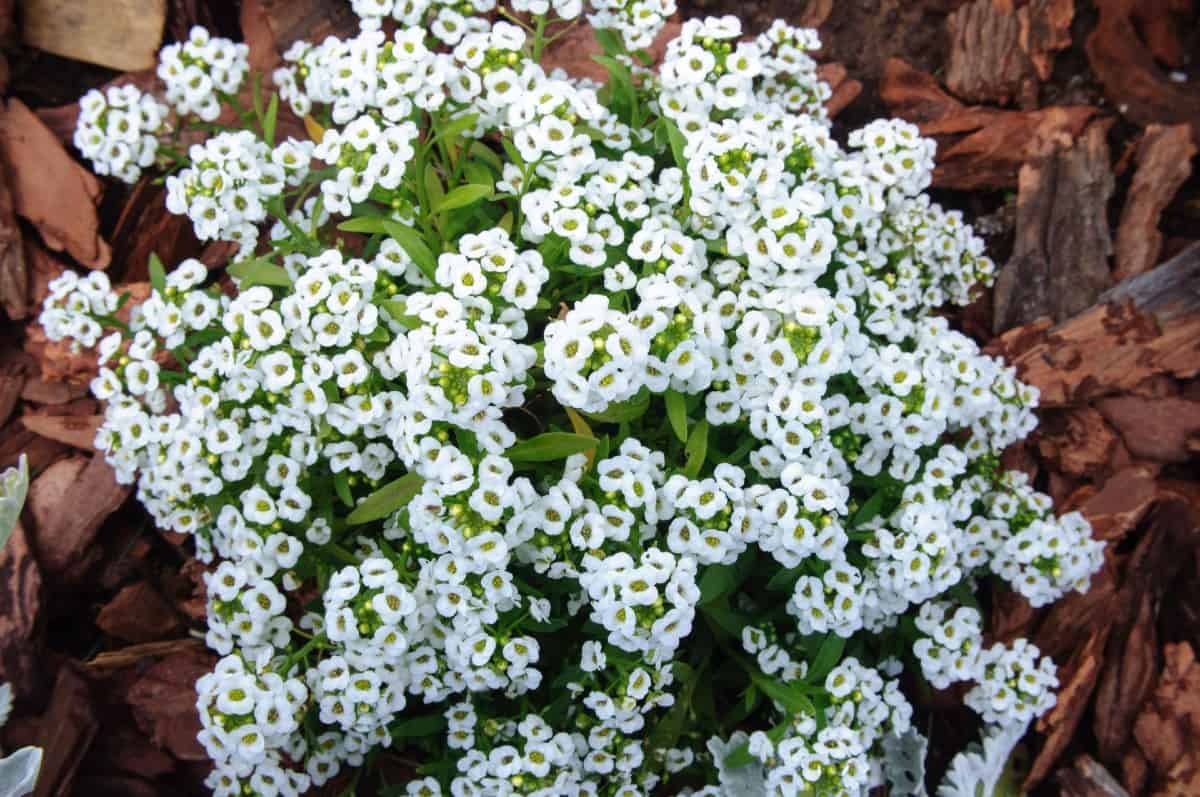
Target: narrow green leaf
[(433, 186), (677, 141), (386, 500), (341, 485), (462, 196), (868, 511), (677, 413), (398, 311), (623, 412), (416, 727), (371, 225), (488, 155), (550, 446), (827, 658), (609, 41), (271, 120), (260, 271), (457, 126), (697, 450), (412, 243), (716, 581), (158, 274), (784, 580)]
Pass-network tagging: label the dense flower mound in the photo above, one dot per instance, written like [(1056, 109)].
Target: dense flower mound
[(584, 439)]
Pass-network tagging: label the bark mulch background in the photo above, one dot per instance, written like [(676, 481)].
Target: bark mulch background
[(1067, 130)]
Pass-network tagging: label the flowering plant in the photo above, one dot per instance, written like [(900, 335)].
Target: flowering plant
[(593, 439)]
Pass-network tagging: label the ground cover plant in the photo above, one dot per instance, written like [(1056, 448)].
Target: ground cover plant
[(581, 438)]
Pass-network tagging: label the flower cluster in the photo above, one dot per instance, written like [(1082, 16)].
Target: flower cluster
[(544, 406), (118, 131)]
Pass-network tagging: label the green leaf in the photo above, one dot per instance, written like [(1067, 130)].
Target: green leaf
[(716, 581), (386, 500), (727, 619), (457, 126), (416, 727), (414, 246), (784, 580), (488, 155), (677, 141), (370, 225), (462, 196), (341, 485), (260, 271), (827, 658), (397, 310), (550, 446), (433, 186), (697, 450), (677, 413), (271, 119), (624, 411), (14, 487), (158, 274), (610, 41), (868, 511), (741, 757)]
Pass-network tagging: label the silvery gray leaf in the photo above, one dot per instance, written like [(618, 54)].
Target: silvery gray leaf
[(744, 781), (904, 763), (975, 771), (19, 772), (14, 486)]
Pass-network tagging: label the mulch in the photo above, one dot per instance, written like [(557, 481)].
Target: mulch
[(1067, 129)]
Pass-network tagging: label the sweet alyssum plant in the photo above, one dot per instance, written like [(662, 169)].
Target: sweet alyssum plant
[(576, 439)]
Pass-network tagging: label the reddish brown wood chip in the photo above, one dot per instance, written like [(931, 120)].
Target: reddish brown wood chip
[(986, 62), (977, 147), (1133, 82), (1121, 502), (1162, 430), (1129, 673), (14, 275), (69, 501), (77, 431), (68, 728), (1077, 441), (1088, 778), (1060, 260), (258, 35), (1168, 728), (1115, 346), (56, 194), (1164, 164), (164, 703), (573, 52), (20, 603), (119, 34), (1078, 679), (1045, 30), (138, 613)]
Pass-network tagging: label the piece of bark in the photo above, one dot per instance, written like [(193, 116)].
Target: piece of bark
[(1168, 728), (12, 381), (41, 391), (119, 34), (308, 20), (14, 274), (20, 604), (978, 147), (163, 701), (1045, 30), (845, 89), (1120, 504), (56, 194), (1132, 80), (69, 502), (77, 431), (111, 661), (1164, 163), (1135, 770), (1060, 259), (69, 727), (258, 35), (1077, 441), (1087, 777), (146, 227), (1144, 326), (986, 62), (1078, 678), (138, 613), (116, 786), (1160, 22), (1161, 430), (1129, 674)]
